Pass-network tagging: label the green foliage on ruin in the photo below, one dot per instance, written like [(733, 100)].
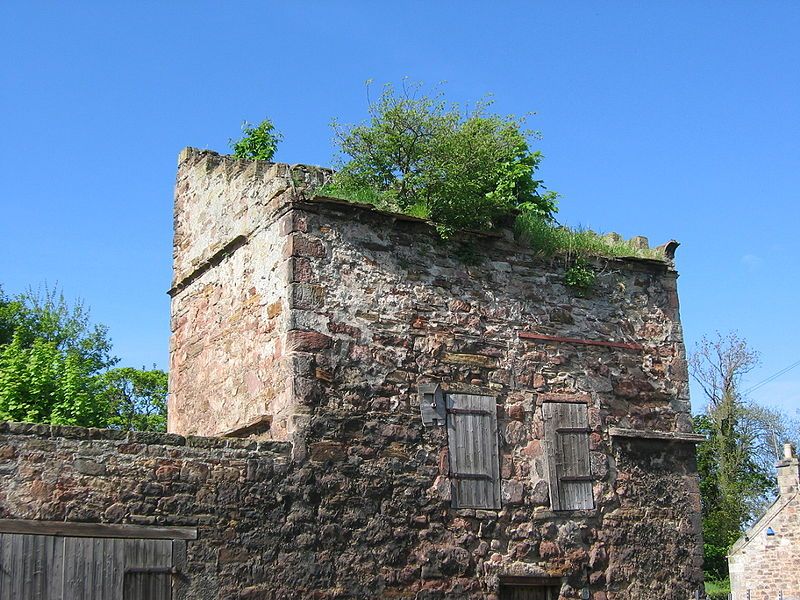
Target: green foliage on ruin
[(259, 142), (421, 156), (549, 239), (56, 367), (418, 155), (580, 277)]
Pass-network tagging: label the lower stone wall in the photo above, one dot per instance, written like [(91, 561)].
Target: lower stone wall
[(360, 517)]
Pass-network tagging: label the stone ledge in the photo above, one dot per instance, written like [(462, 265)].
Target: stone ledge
[(141, 437), (648, 434)]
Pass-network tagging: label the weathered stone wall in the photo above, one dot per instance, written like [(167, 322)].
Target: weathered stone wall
[(354, 523), (230, 293), (237, 493), (395, 305), (766, 566), (371, 305)]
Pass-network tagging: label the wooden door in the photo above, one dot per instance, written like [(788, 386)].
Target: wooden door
[(43, 567), (31, 567)]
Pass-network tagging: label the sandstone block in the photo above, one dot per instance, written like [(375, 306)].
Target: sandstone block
[(302, 245), (476, 360), (306, 341), (327, 452)]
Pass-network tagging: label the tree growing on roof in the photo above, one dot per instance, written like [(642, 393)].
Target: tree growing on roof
[(420, 155)]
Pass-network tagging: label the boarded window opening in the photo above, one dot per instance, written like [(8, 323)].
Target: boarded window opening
[(566, 431), (474, 452), (529, 588), (144, 585)]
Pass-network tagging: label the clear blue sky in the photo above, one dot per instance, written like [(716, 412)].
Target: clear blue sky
[(665, 119)]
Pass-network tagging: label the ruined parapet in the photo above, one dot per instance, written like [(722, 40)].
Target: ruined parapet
[(262, 272), (231, 291)]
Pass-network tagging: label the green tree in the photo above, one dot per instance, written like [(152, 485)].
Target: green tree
[(136, 399), (260, 142), (54, 368), (9, 309), (736, 462), (419, 155)]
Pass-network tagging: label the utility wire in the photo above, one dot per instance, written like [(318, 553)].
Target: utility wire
[(773, 377)]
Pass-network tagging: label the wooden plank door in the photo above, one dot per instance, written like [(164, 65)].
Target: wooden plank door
[(43, 567), (30, 567), (148, 570)]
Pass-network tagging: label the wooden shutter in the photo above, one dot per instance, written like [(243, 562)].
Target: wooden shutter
[(472, 441), (566, 429)]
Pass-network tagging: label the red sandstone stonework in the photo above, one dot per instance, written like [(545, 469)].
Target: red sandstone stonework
[(371, 306)]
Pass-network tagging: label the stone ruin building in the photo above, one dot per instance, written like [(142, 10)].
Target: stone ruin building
[(764, 563), (360, 409)]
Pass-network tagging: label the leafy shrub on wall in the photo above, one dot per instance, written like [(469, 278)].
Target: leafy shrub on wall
[(421, 156)]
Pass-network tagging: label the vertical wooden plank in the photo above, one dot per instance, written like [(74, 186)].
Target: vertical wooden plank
[(74, 564), (17, 566), (113, 568), (553, 453), (453, 451), (100, 547), (468, 451), (5, 566), (55, 559), (5, 580), (90, 568), (39, 574), (493, 454)]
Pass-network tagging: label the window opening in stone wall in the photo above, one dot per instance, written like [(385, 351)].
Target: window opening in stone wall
[(529, 588), (474, 452), (566, 431)]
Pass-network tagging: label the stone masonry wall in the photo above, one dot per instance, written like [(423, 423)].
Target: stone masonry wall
[(372, 305), (237, 493), (362, 523), (395, 306)]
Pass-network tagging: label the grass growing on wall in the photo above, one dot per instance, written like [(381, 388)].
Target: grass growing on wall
[(546, 237), (550, 239), (376, 198)]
